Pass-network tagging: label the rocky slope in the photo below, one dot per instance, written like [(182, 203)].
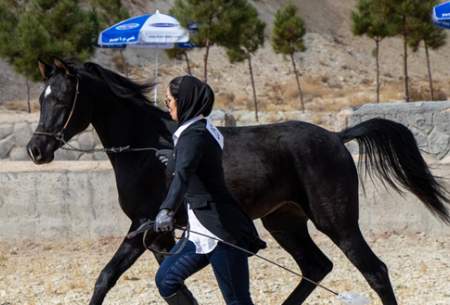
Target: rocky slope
[(337, 68)]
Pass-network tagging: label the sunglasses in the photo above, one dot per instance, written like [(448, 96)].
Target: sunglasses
[(167, 101)]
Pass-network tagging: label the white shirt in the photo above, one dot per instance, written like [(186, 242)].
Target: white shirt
[(203, 245)]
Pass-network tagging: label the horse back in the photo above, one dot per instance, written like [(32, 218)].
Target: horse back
[(268, 165)]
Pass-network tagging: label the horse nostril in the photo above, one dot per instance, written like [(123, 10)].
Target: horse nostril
[(34, 153)]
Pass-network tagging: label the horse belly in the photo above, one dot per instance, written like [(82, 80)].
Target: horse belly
[(256, 187)]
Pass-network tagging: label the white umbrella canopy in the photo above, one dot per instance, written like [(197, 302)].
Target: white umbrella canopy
[(155, 31), (150, 30)]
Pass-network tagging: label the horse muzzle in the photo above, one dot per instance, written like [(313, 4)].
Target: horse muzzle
[(40, 151)]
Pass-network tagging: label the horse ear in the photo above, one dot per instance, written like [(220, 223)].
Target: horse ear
[(44, 68), (60, 64)]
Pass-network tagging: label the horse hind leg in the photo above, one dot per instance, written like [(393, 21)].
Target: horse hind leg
[(334, 208), (343, 229), (288, 227), (338, 219), (371, 267)]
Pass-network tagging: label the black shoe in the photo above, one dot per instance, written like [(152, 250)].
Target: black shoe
[(182, 297)]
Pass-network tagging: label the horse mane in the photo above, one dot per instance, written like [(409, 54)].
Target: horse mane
[(128, 91), (122, 87)]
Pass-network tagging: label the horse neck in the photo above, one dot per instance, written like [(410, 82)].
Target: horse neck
[(123, 123)]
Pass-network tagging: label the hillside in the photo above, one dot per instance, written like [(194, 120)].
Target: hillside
[(338, 69)]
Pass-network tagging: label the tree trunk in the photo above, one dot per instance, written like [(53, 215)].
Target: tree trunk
[(430, 78), (405, 61), (27, 84), (300, 91), (253, 87), (205, 62), (377, 56), (188, 64)]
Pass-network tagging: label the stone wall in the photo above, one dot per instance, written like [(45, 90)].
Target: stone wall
[(329, 120), (429, 122), (78, 199), (17, 128)]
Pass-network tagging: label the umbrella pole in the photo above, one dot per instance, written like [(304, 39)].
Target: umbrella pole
[(156, 77)]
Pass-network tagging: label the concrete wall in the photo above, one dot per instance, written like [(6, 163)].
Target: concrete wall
[(68, 199), (64, 199), (384, 210)]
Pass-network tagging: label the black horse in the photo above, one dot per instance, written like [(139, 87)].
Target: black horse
[(285, 174)]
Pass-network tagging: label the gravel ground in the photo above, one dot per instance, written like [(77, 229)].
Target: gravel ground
[(60, 273)]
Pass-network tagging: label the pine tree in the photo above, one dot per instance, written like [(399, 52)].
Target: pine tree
[(34, 40), (107, 13), (250, 36), (287, 38), (34, 29), (402, 19), (8, 21), (179, 53), (211, 17), (23, 39), (369, 19), (70, 28), (44, 29), (423, 30)]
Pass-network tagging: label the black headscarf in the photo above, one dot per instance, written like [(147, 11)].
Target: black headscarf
[(193, 98)]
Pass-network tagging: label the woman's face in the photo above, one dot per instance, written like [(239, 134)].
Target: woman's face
[(171, 105)]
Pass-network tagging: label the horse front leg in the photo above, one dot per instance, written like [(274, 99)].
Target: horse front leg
[(127, 253)]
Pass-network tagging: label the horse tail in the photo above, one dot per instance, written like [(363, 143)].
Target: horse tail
[(389, 151)]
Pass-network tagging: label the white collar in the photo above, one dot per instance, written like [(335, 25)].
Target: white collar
[(184, 126)]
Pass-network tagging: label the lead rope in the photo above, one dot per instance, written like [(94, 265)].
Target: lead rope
[(345, 297), (59, 136), (261, 257), (348, 298), (116, 149)]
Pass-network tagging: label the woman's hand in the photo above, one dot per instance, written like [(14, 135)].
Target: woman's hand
[(164, 221), (164, 155)]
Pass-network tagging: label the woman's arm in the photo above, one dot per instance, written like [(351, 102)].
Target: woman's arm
[(189, 151)]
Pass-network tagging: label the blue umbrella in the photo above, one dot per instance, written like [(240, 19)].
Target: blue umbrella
[(150, 30), (441, 15), (156, 31)]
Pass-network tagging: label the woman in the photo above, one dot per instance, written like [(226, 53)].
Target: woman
[(198, 181)]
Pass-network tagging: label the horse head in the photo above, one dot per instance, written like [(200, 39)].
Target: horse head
[(63, 110)]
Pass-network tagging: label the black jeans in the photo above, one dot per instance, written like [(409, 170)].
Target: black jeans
[(230, 267)]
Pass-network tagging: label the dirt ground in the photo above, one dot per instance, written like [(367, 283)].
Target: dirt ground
[(64, 272)]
